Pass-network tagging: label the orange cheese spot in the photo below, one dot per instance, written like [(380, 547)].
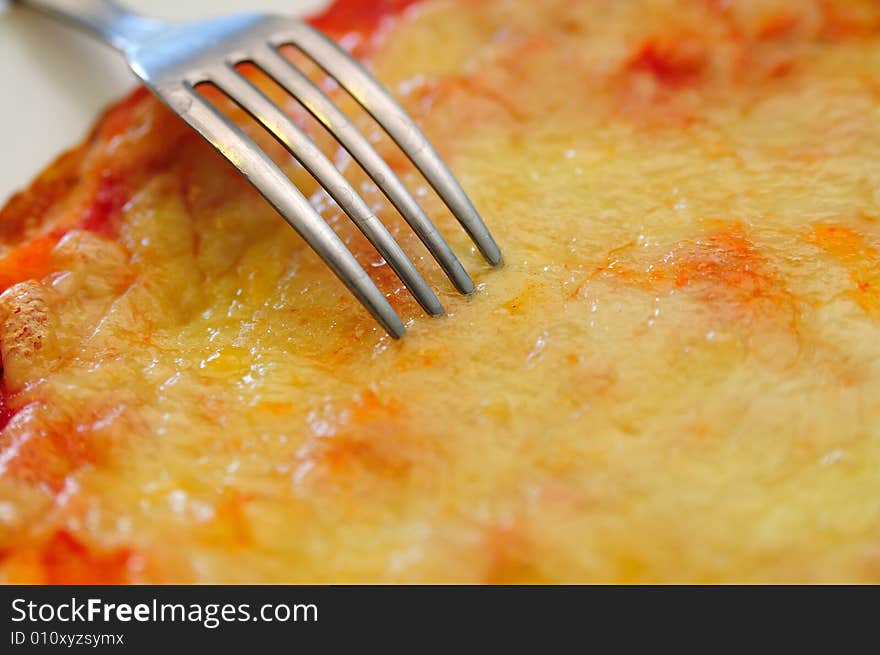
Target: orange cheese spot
[(64, 559), (231, 519), (511, 556), (32, 261), (855, 19), (371, 407), (860, 258), (672, 62), (726, 259), (46, 459), (276, 408), (727, 270), (350, 454), (41, 448), (722, 268), (371, 439), (103, 211), (655, 79), (777, 25)]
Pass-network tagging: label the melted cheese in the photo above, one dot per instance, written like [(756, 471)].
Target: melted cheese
[(674, 377)]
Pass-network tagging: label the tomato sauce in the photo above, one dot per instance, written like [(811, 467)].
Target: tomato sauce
[(357, 16)]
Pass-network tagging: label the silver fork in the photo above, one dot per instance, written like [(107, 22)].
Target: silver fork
[(173, 59)]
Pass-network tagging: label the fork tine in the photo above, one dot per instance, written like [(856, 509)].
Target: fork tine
[(344, 131), (364, 88), (274, 185), (261, 108)]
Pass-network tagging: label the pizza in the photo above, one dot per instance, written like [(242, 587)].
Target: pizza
[(675, 376)]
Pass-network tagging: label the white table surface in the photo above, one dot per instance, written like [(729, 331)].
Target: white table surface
[(59, 80)]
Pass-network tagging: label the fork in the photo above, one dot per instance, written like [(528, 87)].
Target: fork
[(173, 59)]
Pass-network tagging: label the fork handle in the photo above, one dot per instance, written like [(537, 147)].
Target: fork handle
[(103, 19)]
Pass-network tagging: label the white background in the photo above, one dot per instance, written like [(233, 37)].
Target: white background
[(54, 81)]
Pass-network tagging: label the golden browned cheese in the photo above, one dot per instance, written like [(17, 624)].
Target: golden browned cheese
[(675, 376)]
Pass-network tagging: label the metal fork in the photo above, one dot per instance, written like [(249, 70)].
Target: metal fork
[(172, 60)]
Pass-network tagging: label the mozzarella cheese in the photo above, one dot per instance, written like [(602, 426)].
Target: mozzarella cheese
[(675, 376)]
